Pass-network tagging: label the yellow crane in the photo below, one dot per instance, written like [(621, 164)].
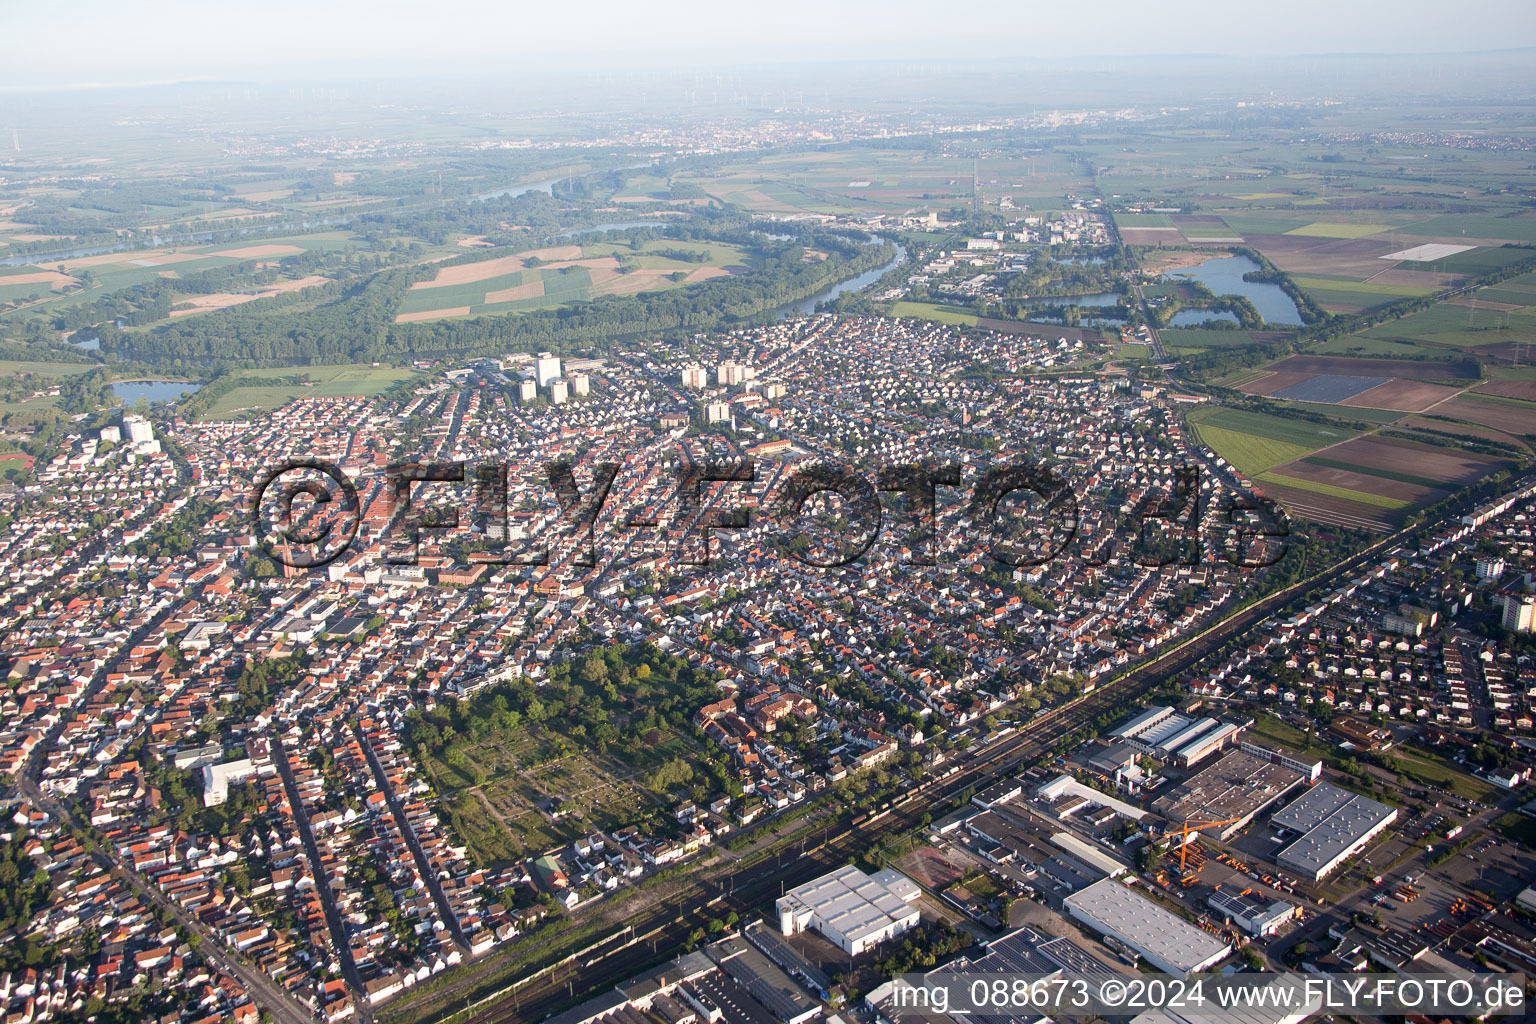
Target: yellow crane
[(1196, 826)]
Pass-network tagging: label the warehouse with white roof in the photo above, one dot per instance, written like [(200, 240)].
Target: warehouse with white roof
[(1163, 939), (849, 909), (1334, 825)]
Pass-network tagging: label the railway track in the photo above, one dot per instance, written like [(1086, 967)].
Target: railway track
[(748, 889)]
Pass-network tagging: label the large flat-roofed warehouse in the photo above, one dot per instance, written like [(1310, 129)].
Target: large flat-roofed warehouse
[(1334, 825), (1185, 740), (1163, 939), (1238, 787), (847, 907)]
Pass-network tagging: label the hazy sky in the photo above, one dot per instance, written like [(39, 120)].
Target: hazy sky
[(117, 41)]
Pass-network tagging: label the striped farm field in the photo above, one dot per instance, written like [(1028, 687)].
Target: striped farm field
[(561, 275), (1303, 433), (1250, 454), (1385, 474), (1254, 442), (1328, 229), (1239, 378), (1364, 287), (1315, 487)]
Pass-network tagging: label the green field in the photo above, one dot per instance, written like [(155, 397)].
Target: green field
[(1250, 454), (1328, 229), (9, 368), (1255, 442), (1519, 291), (1196, 338), (1427, 768), (1291, 431), (1290, 737), (1387, 348), (1365, 498), (566, 285), (933, 311), (331, 382), (1143, 220), (1328, 284), (1198, 231), (1519, 228), (1449, 326)]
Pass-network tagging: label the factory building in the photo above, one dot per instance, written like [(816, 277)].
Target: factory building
[(848, 908), (1333, 825), (1311, 769), (1186, 741), (1165, 940), (1253, 916)]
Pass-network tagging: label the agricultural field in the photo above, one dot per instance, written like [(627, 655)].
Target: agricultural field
[(1342, 295), (56, 286), (943, 314), (865, 180), (1335, 475), (12, 368), (1362, 481), (1350, 392), (554, 276), (1197, 338), (1254, 442), (261, 390), (1488, 332)]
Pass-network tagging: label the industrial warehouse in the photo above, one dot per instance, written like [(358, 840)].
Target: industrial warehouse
[(1230, 792), (1164, 940), (850, 909), (1334, 825), (1163, 732)]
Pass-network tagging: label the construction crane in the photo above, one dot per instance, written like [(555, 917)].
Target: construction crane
[(1197, 826)]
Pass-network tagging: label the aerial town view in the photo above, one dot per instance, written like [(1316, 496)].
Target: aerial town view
[(767, 516)]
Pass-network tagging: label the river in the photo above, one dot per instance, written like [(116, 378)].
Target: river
[(853, 284)]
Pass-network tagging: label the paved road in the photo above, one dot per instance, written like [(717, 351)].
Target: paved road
[(333, 921), (268, 994), (1157, 339), (746, 890), (423, 866)]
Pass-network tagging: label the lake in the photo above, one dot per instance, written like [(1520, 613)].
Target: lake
[(153, 391), (1093, 299), (1224, 276)]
